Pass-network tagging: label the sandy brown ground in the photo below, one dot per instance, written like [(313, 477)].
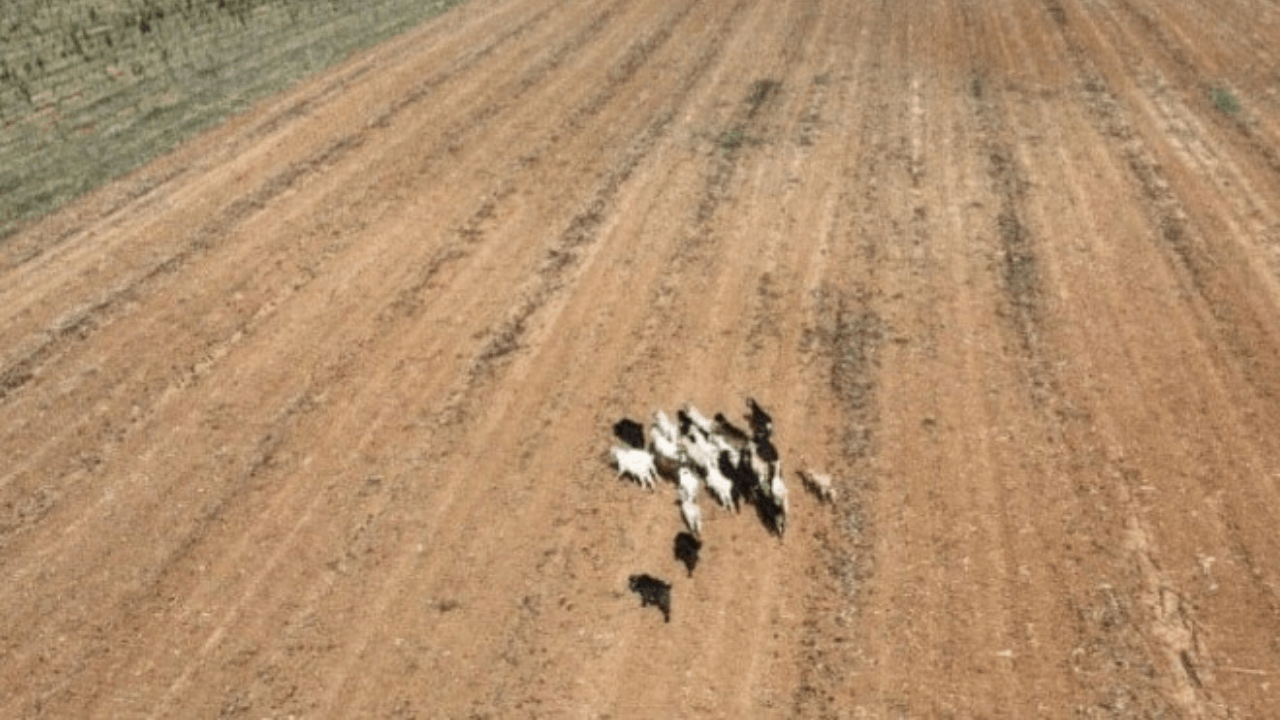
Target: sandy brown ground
[(309, 418)]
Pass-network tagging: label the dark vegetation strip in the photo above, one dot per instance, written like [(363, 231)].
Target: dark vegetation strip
[(1249, 346), (88, 93), (84, 323), (101, 313), (1211, 97), (91, 319), (568, 251), (140, 603), (732, 142), (1117, 666), (657, 333), (1020, 274), (471, 233), (21, 371), (848, 332), (1249, 349), (760, 104), (583, 230)]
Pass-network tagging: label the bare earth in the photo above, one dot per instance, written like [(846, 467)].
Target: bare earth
[(310, 417)]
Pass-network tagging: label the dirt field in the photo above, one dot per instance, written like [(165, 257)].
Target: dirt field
[(310, 417)]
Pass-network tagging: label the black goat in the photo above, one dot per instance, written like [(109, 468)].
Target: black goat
[(772, 514), (652, 591), (735, 435), (687, 547), (630, 432), (751, 482), (685, 421), (761, 421), (740, 474), (765, 449)]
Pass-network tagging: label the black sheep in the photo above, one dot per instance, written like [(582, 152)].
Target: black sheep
[(630, 432), (687, 547), (653, 591)]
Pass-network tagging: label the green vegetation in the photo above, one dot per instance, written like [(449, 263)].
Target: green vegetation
[(1224, 100), (90, 89), (732, 140)]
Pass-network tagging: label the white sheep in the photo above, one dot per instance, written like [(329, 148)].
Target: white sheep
[(692, 517), (688, 485), (636, 463)]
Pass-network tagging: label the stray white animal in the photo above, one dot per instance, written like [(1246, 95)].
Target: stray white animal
[(819, 484), (636, 463), (692, 517), (688, 485)]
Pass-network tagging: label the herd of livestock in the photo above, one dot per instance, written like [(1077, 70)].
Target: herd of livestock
[(736, 465)]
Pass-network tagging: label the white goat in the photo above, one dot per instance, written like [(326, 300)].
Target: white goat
[(665, 426), (777, 488), (692, 517), (760, 471), (719, 442), (699, 450), (688, 485), (636, 463), (699, 420), (667, 451), (720, 486)]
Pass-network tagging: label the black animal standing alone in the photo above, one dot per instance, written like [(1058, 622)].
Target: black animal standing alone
[(686, 550), (652, 591)]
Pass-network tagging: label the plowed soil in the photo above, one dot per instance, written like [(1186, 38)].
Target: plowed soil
[(310, 417)]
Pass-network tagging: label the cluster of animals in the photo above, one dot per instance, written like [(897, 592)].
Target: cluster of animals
[(738, 466)]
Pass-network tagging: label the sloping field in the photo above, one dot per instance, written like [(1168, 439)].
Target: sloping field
[(90, 90), (309, 417)]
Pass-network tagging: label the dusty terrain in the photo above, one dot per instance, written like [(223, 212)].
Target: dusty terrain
[(309, 417)]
